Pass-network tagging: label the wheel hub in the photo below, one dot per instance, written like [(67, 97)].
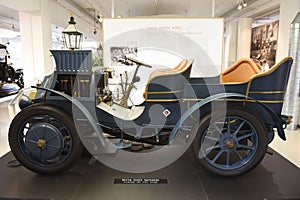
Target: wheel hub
[(230, 144), (41, 143), (44, 141)]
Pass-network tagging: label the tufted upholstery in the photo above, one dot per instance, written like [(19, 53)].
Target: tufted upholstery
[(239, 72)]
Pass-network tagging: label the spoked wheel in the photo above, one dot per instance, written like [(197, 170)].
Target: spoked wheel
[(231, 144), (44, 139)]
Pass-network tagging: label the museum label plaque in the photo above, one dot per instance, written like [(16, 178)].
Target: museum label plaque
[(140, 181)]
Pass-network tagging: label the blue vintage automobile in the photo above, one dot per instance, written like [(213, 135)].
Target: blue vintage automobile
[(233, 116)]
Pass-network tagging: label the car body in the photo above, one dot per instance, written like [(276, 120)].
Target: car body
[(227, 120)]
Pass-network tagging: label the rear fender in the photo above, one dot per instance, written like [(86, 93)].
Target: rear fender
[(209, 99)]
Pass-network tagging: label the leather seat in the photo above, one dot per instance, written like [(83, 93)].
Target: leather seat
[(165, 82), (239, 72), (170, 71)]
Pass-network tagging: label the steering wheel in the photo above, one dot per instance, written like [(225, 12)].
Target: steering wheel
[(138, 62)]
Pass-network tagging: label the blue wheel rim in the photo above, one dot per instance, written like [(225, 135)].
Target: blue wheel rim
[(229, 143), (51, 154)]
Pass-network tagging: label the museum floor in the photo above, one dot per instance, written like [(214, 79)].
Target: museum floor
[(274, 178)]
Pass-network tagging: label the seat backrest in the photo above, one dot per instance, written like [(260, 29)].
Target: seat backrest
[(163, 83), (275, 79), (170, 71), (239, 72), (181, 66), (186, 69), (270, 86)]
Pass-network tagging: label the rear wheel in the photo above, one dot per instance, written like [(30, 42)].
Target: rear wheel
[(44, 139), (19, 78), (10, 74), (230, 144)]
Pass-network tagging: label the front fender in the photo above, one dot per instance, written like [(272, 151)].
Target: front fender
[(220, 96), (83, 109)]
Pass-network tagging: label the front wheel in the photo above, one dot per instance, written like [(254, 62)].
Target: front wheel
[(230, 144), (44, 139)]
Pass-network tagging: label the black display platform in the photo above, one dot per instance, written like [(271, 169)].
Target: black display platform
[(274, 178)]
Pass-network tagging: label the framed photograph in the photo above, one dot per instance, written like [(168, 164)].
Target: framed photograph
[(264, 44)]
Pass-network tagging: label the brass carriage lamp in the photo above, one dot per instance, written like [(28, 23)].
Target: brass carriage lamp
[(72, 36)]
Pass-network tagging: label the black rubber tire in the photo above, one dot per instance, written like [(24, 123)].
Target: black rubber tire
[(20, 82), (10, 74), (41, 109), (241, 112), (19, 78)]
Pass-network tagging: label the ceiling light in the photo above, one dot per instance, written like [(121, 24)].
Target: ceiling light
[(242, 4), (100, 18), (240, 7)]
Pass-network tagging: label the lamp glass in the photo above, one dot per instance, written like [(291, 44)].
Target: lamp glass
[(72, 36)]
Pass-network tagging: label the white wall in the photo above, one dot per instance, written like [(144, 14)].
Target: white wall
[(230, 43), (36, 17), (238, 40), (244, 38), (288, 11)]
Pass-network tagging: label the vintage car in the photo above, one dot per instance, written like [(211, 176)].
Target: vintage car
[(7, 73), (233, 116)]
